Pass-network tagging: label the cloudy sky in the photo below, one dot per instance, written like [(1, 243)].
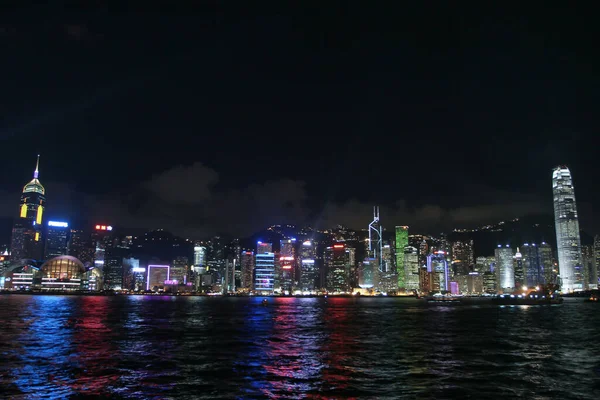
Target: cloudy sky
[(229, 120)]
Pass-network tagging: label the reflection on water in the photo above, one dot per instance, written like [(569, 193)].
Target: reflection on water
[(317, 348)]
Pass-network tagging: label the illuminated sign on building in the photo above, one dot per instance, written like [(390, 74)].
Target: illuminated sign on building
[(104, 228), (58, 224), (138, 269), (172, 282)]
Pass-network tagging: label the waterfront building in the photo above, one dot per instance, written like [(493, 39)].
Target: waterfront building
[(566, 221), (462, 252), (80, 246), (519, 270), (337, 264), (505, 271), (587, 259), (309, 273), (401, 243), (367, 273), (547, 263), (411, 268), (247, 266), (437, 267), (57, 239), (26, 241), (264, 269)]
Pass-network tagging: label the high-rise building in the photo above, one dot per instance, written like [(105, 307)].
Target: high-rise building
[(376, 240), (519, 269), (505, 272), (597, 260), (589, 273), (337, 264), (367, 273), (437, 269), (462, 252), (26, 240), (566, 221), (80, 246), (484, 264), (199, 257), (179, 270), (401, 243), (287, 264), (533, 264), (411, 268), (309, 273), (264, 270), (547, 263), (57, 239), (247, 261)]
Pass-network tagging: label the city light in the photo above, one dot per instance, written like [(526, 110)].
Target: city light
[(338, 246), (58, 224), (104, 228), (138, 269)]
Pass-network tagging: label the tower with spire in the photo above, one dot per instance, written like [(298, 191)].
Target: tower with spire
[(26, 242)]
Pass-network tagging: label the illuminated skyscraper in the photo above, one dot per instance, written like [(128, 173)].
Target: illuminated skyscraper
[(264, 270), (587, 258), (56, 239), (308, 269), (367, 273), (411, 268), (287, 263), (462, 252), (199, 257), (337, 265), (376, 240), (567, 231), (547, 263), (401, 243), (532, 265), (505, 272), (437, 270), (27, 231), (519, 269), (247, 261)]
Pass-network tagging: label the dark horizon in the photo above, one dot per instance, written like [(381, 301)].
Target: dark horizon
[(236, 118)]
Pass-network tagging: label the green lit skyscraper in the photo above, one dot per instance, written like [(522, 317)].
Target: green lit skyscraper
[(401, 243)]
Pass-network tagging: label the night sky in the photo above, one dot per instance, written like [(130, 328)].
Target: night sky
[(231, 119)]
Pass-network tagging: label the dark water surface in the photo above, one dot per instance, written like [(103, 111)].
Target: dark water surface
[(225, 348)]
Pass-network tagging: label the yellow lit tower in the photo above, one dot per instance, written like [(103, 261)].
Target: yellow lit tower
[(26, 240)]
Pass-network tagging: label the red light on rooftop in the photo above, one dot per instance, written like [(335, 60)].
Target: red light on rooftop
[(97, 226)]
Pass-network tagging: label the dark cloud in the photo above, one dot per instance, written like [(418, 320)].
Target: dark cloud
[(187, 201)]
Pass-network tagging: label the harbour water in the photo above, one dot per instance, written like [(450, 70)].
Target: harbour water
[(136, 347)]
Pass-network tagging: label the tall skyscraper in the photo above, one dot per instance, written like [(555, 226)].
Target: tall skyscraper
[(56, 239), (247, 261), (401, 243), (26, 239), (568, 242), (597, 260), (547, 263), (80, 246), (337, 264), (462, 252), (519, 269), (309, 273), (411, 268), (532, 265), (437, 271), (587, 258), (264, 270), (505, 272), (287, 264), (376, 240)]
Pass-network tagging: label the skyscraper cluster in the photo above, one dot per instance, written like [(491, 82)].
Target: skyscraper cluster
[(53, 255)]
